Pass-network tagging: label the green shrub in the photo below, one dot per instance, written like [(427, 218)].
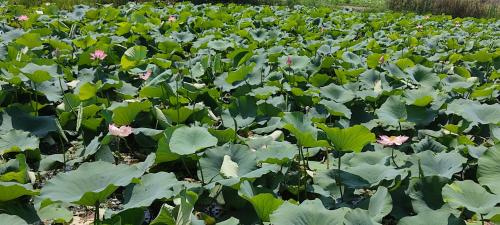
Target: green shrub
[(457, 8)]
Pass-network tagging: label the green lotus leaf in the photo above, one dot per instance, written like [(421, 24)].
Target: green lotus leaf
[(264, 92), (92, 182), (13, 190), (393, 111), (197, 70), (163, 152), (359, 216), (481, 56), (152, 186), (125, 113), (15, 169), (300, 126), (183, 36), (373, 60), (235, 155), (351, 58), (39, 73), (470, 195), (425, 193), (243, 110), (20, 120), (337, 93), (336, 109), (87, 91), (374, 174), (189, 140), (423, 76), (380, 204), (489, 169), (456, 83), (277, 152), (428, 144), (55, 212), (264, 204), (240, 74), (17, 141), (165, 216), (185, 210), (358, 177), (475, 112), (230, 221), (133, 56), (437, 217), (30, 40), (420, 97), (494, 215), (298, 62), (12, 219), (309, 212), (182, 112), (219, 45), (349, 139), (51, 90), (443, 164), (240, 56)]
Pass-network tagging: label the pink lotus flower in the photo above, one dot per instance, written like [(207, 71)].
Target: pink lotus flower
[(457, 25), (171, 19), (23, 18), (146, 75), (98, 54), (427, 17), (289, 61), (420, 26), (381, 60), (392, 140), (323, 29), (122, 131)]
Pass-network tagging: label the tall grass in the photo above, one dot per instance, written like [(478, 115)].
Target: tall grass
[(457, 8)]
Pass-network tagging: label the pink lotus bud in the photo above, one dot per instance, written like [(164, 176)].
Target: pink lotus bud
[(23, 18), (289, 61), (172, 19), (381, 60), (98, 54), (146, 75)]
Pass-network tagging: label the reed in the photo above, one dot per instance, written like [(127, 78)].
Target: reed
[(456, 8)]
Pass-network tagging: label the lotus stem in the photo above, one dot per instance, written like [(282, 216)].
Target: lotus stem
[(96, 213), (392, 158), (186, 168), (327, 159), (33, 86), (177, 100), (482, 219), (63, 151), (235, 130), (302, 170), (201, 171), (339, 178), (64, 98)]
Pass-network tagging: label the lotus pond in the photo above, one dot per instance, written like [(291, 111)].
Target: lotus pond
[(233, 114)]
